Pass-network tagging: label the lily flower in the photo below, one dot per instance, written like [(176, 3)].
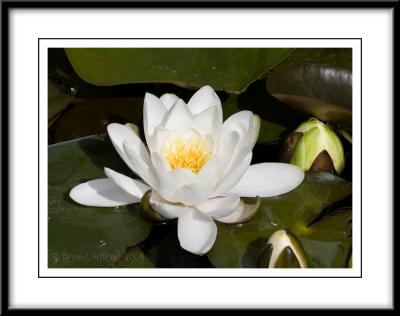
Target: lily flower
[(196, 166)]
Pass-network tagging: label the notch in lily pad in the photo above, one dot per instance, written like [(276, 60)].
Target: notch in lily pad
[(314, 146), (283, 250)]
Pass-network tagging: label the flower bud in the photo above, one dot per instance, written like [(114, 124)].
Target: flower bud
[(314, 146), (283, 250)]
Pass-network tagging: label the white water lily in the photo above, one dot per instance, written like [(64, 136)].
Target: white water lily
[(196, 165)]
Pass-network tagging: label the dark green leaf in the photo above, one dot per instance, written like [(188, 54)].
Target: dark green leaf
[(80, 236), (239, 245), (58, 100), (336, 226), (337, 57), (134, 257), (327, 254), (322, 91), (228, 69)]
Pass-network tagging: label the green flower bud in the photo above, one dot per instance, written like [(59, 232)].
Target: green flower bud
[(314, 146), (283, 250)]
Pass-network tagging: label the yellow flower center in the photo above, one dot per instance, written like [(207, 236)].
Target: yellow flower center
[(189, 154)]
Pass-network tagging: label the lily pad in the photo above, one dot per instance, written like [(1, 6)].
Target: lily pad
[(324, 254), (228, 69), (336, 57), (58, 100), (134, 257), (322, 91), (239, 245), (80, 236)]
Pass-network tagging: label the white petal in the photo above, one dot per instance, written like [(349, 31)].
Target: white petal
[(241, 122), (138, 165), (160, 135), (119, 134), (166, 209), (212, 144), (196, 232), (129, 185), (203, 99), (179, 117), (225, 152), (268, 179), (208, 122), (210, 172), (101, 193), (170, 182), (219, 206), (255, 131), (182, 176), (242, 214), (235, 172), (192, 194), (133, 128), (168, 99), (159, 162), (183, 186), (166, 137), (242, 119), (153, 114)]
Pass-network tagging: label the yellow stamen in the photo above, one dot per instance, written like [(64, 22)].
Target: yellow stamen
[(189, 154)]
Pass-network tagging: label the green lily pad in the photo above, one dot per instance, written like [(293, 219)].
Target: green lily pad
[(80, 236), (324, 254), (134, 257), (336, 57), (240, 245), (228, 69), (322, 91), (58, 100)]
